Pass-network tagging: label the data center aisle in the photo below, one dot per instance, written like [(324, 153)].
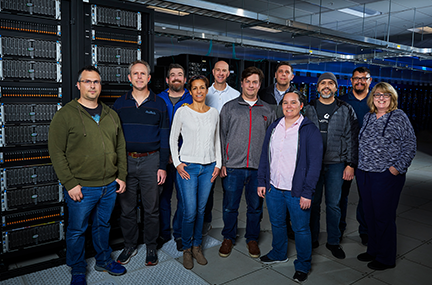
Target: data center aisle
[(413, 265)]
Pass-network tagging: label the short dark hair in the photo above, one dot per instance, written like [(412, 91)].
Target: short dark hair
[(87, 68), (198, 77), (284, 63), (252, 70), (301, 96), (175, 65), (139, 61), (361, 69)]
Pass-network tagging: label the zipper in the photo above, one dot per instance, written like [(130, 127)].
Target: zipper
[(250, 134)]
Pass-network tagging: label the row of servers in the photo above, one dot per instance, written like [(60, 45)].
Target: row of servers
[(414, 99), (43, 45), (31, 71)]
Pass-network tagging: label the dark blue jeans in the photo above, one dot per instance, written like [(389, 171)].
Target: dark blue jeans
[(194, 192), (277, 203), (381, 193), (344, 207), (97, 202), (233, 184), (331, 177), (165, 207)]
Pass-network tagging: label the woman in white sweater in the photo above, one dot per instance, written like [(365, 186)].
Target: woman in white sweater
[(198, 164)]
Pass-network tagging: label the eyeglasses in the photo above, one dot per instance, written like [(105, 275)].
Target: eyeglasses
[(89, 82), (379, 95), (362, 79)]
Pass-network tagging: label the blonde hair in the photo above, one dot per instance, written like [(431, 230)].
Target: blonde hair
[(386, 88)]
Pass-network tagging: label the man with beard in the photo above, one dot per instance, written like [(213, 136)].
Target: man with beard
[(357, 98), (145, 125), (218, 94), (338, 125), (175, 97)]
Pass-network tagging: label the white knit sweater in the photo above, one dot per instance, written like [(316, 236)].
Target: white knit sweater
[(200, 133)]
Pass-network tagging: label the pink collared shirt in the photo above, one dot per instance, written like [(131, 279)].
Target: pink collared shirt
[(283, 154)]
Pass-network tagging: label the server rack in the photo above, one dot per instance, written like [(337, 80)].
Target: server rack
[(31, 91)]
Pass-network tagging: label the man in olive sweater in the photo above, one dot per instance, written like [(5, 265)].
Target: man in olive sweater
[(88, 152)]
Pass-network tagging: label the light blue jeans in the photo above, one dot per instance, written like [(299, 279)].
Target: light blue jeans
[(194, 193)]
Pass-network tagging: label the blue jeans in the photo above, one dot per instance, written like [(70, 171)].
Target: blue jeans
[(194, 193), (233, 184), (165, 207), (99, 203), (277, 203), (331, 177), (344, 207)]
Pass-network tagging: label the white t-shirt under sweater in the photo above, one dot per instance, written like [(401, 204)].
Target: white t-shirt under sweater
[(200, 134)]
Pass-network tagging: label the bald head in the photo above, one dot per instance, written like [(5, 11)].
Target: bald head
[(221, 72)]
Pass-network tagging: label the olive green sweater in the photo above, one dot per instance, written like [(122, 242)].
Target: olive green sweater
[(84, 152)]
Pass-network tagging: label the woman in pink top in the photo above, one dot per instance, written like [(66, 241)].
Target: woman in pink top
[(289, 169)]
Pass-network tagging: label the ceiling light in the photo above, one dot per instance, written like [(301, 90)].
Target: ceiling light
[(422, 30), (360, 11), (265, 29), (168, 11)]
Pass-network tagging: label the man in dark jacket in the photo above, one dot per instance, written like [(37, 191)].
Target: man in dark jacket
[(87, 149), (338, 125), (357, 98), (145, 124), (274, 93)]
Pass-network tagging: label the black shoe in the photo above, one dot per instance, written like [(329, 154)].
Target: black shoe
[(376, 265), (365, 257), (336, 250), (152, 258), (126, 255), (300, 276), (364, 239), (179, 244), (315, 244), (160, 242), (266, 260)]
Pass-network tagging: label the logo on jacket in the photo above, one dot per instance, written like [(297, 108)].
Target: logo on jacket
[(150, 112), (265, 118)]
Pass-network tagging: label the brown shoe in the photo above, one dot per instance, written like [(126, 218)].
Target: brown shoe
[(254, 250), (187, 259), (198, 254), (226, 247)]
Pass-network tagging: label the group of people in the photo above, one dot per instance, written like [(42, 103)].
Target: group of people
[(269, 142)]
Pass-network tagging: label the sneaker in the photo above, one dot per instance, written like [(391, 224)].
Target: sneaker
[(300, 276), (226, 247), (206, 229), (336, 250), (365, 257), (78, 279), (376, 265), (187, 259), (364, 239), (160, 242), (253, 248), (198, 254), (113, 268), (266, 260), (179, 244), (152, 258), (126, 255)]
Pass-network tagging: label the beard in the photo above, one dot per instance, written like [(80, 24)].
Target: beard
[(360, 88), (176, 86), (326, 96)]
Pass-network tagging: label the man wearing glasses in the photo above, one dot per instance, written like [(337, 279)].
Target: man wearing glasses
[(87, 149), (145, 123), (357, 98)]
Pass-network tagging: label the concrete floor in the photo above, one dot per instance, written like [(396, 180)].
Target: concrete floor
[(413, 265)]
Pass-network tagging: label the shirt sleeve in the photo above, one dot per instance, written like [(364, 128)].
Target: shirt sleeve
[(174, 137), (408, 144), (224, 127), (218, 143)]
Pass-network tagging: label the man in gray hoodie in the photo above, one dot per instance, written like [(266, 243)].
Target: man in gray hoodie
[(243, 124)]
